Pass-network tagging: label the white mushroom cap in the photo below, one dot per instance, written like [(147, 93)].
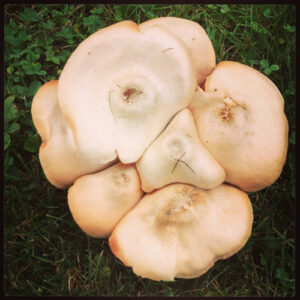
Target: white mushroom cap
[(99, 201), (61, 161), (240, 119), (180, 231), (194, 37), (121, 87), (178, 155)]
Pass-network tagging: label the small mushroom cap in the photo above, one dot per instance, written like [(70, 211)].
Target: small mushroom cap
[(121, 87), (240, 119), (194, 37), (180, 230), (61, 161), (99, 201), (178, 155)]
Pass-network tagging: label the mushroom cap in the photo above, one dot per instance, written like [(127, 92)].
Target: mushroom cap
[(117, 96), (180, 230), (178, 155), (194, 37), (61, 161), (240, 119), (99, 201)]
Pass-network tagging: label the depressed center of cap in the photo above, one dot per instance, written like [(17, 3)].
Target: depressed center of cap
[(180, 207), (176, 145), (132, 96)]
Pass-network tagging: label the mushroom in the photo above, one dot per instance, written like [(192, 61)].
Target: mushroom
[(99, 201), (240, 119), (120, 88), (132, 93), (178, 155), (194, 37), (180, 231), (60, 158)]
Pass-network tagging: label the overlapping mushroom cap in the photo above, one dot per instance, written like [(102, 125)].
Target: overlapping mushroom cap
[(240, 119), (180, 230), (117, 96), (194, 37), (179, 156), (132, 93), (61, 159), (99, 201)]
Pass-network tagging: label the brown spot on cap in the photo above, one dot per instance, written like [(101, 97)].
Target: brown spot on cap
[(121, 178), (180, 206), (225, 113)]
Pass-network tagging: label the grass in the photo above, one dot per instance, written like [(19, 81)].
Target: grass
[(45, 253)]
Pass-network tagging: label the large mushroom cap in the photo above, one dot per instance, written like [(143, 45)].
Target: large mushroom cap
[(61, 161), (99, 201), (240, 119), (194, 37), (180, 231), (178, 155), (121, 87)]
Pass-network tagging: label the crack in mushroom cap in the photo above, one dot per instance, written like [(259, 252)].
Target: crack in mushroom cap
[(60, 158), (178, 155), (180, 230), (194, 37), (240, 119), (119, 89), (99, 201)]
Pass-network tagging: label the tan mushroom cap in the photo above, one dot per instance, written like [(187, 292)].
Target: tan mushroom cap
[(240, 119), (121, 87), (61, 161), (99, 201), (180, 231), (178, 155), (194, 37)]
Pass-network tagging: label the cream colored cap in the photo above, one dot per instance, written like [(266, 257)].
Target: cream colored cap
[(180, 231), (99, 201), (121, 87), (178, 155), (240, 119), (194, 37), (61, 161)]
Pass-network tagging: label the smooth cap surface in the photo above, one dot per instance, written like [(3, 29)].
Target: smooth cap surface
[(195, 38), (120, 88), (180, 231), (178, 155), (99, 201), (61, 160), (240, 119)]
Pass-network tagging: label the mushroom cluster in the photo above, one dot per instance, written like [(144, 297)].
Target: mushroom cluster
[(159, 145)]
